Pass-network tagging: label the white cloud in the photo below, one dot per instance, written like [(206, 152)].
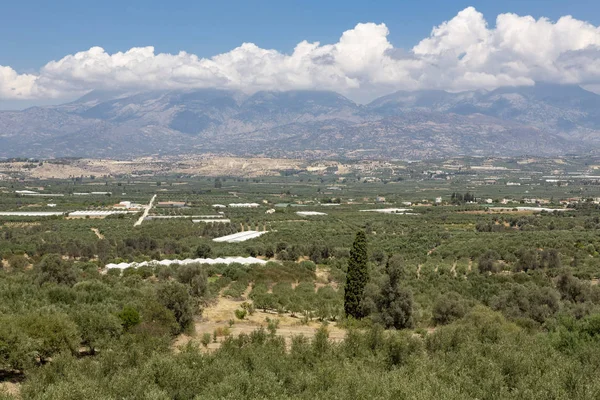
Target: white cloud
[(460, 54), (13, 85)]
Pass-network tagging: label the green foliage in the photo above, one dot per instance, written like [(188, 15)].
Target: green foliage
[(394, 303), (18, 262), (203, 250), (175, 297), (54, 270), (49, 334), (513, 296), (357, 276), (129, 317), (205, 339), (488, 262), (96, 326), (272, 325), (448, 308), (240, 314)]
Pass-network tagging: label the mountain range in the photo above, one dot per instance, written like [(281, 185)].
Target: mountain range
[(542, 120)]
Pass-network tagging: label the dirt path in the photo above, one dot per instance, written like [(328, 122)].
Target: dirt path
[(146, 211), (97, 232), (453, 269)]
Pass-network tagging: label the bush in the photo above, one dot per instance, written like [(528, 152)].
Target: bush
[(18, 262), (53, 269), (203, 250), (309, 265), (448, 307), (129, 317), (205, 339), (240, 314), (175, 297)]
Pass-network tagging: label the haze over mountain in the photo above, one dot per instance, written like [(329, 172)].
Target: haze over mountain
[(544, 119)]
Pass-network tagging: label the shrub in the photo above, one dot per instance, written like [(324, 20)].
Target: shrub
[(240, 314), (449, 307), (205, 339)]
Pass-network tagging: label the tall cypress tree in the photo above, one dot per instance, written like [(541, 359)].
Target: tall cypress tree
[(357, 276)]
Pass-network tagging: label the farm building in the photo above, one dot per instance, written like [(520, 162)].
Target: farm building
[(171, 204), (127, 205)]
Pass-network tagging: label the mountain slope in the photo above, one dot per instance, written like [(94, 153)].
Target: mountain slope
[(541, 120), (567, 110)]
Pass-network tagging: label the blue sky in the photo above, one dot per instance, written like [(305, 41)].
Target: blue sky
[(52, 52), (35, 32)]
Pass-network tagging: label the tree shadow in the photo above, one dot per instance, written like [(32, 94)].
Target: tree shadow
[(12, 376)]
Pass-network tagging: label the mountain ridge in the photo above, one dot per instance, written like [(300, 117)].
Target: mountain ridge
[(544, 119)]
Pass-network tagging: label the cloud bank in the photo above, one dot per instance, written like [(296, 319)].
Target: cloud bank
[(460, 54)]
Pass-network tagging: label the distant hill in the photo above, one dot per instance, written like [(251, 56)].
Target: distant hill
[(542, 120)]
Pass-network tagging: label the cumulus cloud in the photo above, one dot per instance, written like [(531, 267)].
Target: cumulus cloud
[(13, 85), (460, 54)]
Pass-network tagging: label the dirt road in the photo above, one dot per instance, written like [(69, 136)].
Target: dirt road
[(146, 211)]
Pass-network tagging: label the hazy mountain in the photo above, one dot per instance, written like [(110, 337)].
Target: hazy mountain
[(543, 119), (568, 110)]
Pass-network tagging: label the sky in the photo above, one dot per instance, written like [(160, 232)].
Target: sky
[(54, 51)]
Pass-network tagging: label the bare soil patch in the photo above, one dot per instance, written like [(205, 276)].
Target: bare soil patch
[(218, 315)]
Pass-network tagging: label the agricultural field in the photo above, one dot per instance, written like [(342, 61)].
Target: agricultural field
[(478, 281)]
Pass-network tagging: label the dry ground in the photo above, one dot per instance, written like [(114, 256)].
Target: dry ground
[(222, 311), (11, 388), (205, 165)]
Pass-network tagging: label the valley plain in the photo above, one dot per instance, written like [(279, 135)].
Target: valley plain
[(482, 278)]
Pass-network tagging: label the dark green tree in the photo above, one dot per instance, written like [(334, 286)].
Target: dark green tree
[(96, 326), (203, 250), (175, 297), (394, 303), (54, 269), (488, 262), (447, 308), (357, 277), (129, 317), (49, 334)]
